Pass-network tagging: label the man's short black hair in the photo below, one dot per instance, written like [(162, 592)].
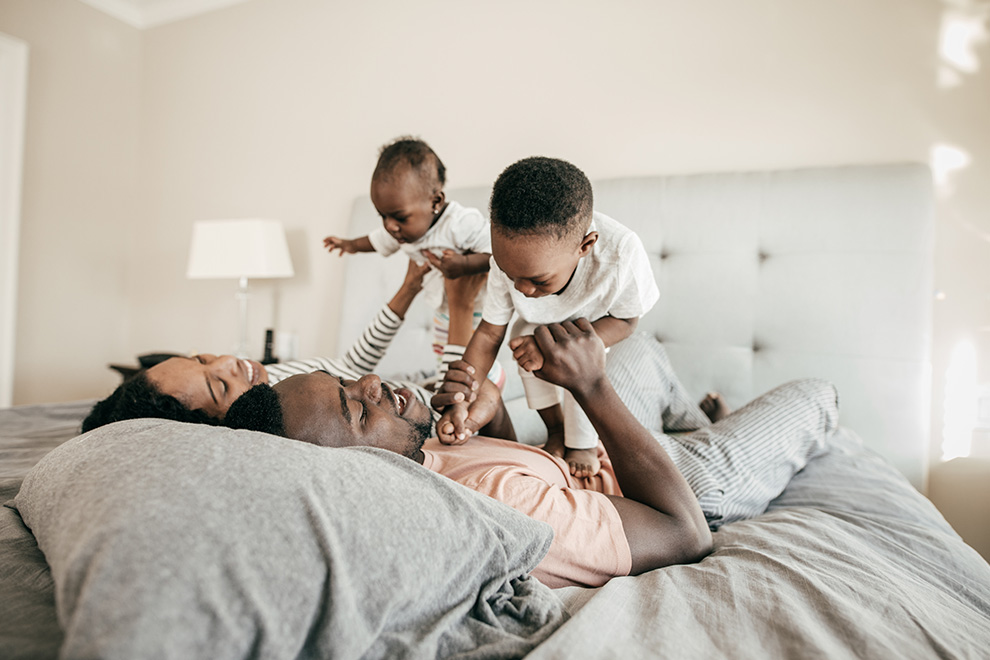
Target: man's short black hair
[(258, 409), (416, 154), (138, 397), (542, 196)]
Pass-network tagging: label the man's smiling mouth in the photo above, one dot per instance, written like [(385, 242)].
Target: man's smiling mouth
[(397, 400)]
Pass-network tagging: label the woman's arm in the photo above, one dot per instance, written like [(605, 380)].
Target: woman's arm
[(364, 356)]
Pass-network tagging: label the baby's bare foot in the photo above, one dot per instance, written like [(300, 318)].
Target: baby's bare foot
[(583, 462), (714, 406), (555, 445)]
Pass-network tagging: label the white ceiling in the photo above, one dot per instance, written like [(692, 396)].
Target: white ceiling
[(149, 13)]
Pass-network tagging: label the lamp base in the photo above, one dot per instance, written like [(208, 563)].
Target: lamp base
[(242, 296)]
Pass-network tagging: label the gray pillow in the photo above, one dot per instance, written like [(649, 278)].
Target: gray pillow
[(178, 541)]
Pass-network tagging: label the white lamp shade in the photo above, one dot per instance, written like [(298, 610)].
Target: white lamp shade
[(250, 248)]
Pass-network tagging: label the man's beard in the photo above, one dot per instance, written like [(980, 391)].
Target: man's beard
[(419, 433)]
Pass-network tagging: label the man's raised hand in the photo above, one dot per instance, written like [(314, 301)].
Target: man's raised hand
[(573, 355)]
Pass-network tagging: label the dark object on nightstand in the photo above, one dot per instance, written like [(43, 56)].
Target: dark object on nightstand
[(128, 371), (269, 357), (149, 360)]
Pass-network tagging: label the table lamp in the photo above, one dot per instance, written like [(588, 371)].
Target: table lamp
[(239, 249)]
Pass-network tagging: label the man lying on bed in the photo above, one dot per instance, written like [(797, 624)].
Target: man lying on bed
[(647, 507), (734, 467)]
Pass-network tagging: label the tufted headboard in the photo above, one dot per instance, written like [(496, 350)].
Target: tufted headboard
[(764, 277)]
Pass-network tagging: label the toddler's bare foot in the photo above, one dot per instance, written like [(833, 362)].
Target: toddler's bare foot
[(714, 406), (554, 445), (583, 462)]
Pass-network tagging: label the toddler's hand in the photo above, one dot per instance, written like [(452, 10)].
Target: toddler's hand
[(451, 264), (332, 243), (453, 427), (526, 353)]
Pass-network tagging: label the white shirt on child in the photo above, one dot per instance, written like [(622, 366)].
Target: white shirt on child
[(614, 279), (459, 228)]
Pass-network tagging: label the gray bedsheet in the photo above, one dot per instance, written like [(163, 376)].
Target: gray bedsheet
[(849, 562)]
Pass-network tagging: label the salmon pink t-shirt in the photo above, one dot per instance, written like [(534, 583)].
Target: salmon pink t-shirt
[(589, 544)]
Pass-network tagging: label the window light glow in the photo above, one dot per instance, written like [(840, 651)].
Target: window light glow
[(961, 395), (945, 161), (963, 30)]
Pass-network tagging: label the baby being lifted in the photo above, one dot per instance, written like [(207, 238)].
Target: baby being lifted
[(407, 191), (553, 260)]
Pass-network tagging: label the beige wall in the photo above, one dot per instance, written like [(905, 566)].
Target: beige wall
[(276, 108), (80, 178)]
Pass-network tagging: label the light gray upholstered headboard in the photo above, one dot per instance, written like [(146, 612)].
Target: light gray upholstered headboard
[(764, 277)]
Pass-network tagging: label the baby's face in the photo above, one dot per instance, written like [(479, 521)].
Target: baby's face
[(538, 265), (405, 204)]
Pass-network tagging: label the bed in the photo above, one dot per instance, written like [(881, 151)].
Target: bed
[(764, 276)]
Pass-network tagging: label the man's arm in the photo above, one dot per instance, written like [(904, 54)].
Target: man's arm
[(660, 514)]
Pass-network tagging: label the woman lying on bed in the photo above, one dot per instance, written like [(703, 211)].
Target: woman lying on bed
[(200, 389)]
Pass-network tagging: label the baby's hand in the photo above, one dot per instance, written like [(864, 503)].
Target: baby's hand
[(526, 353), (332, 243), (451, 264), (453, 427)]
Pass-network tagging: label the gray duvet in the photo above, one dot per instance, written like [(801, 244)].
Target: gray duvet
[(849, 562)]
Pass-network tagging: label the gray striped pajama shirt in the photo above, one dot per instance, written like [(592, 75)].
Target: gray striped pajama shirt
[(738, 465)]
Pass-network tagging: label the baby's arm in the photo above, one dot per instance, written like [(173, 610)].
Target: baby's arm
[(612, 330), (454, 265), (349, 245)]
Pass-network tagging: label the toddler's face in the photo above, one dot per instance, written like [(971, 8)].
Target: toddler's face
[(539, 265), (405, 204)]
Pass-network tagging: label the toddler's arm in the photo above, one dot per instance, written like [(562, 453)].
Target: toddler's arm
[(526, 353), (612, 330), (348, 245), (479, 354), (454, 265)]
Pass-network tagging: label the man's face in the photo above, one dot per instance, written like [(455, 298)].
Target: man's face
[(405, 203), (207, 382), (324, 410), (539, 265)]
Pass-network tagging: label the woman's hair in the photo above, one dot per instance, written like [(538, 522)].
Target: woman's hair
[(136, 398), (542, 196), (258, 409)]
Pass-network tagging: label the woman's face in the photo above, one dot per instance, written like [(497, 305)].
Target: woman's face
[(207, 382)]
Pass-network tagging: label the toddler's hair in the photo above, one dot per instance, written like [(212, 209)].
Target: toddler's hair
[(414, 152), (542, 196)]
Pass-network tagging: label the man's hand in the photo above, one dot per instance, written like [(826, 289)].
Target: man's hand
[(451, 264), (573, 355), (526, 353), (347, 245)]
